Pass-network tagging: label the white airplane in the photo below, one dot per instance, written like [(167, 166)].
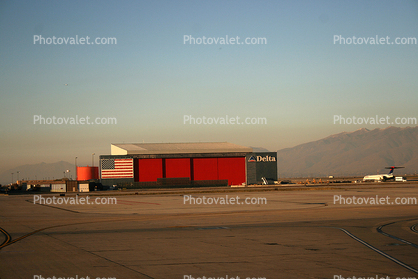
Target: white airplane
[(381, 177)]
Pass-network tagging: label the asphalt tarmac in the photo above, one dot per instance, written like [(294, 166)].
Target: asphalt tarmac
[(345, 232)]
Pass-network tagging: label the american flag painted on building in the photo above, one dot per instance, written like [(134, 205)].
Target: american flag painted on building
[(117, 168)]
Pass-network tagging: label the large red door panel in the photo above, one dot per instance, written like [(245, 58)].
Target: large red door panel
[(179, 167), (149, 169), (205, 168), (232, 169)]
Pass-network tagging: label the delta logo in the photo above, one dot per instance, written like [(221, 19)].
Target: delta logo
[(262, 159), (252, 159), (266, 159)]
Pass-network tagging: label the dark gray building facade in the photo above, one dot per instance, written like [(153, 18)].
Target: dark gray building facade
[(259, 165)]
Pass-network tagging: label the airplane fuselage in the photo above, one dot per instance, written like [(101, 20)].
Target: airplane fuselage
[(378, 177)]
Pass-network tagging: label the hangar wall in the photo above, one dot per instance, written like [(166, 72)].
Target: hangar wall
[(148, 170), (229, 168), (177, 167), (261, 164), (154, 162)]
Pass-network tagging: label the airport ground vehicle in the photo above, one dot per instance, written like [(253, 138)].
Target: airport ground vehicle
[(400, 179)]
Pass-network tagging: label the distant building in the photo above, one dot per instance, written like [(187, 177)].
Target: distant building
[(261, 167), (59, 185), (211, 162), (87, 173)]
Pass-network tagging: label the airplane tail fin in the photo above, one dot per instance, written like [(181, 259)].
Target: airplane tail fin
[(392, 168)]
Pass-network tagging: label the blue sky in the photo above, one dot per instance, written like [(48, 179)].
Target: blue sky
[(150, 79)]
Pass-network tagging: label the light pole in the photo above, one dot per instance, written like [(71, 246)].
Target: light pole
[(18, 176), (75, 168), (92, 160), (12, 177), (65, 172)]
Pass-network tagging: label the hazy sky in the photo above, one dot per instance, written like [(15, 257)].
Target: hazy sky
[(150, 79)]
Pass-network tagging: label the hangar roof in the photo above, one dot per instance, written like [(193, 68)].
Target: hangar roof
[(177, 148)]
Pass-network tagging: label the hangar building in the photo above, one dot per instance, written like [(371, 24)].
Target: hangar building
[(210, 162), (151, 162), (261, 165)]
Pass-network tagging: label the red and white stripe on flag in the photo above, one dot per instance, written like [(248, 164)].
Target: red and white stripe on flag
[(117, 168)]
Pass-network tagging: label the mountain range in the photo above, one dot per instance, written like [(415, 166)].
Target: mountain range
[(38, 171), (353, 154), (345, 154)]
